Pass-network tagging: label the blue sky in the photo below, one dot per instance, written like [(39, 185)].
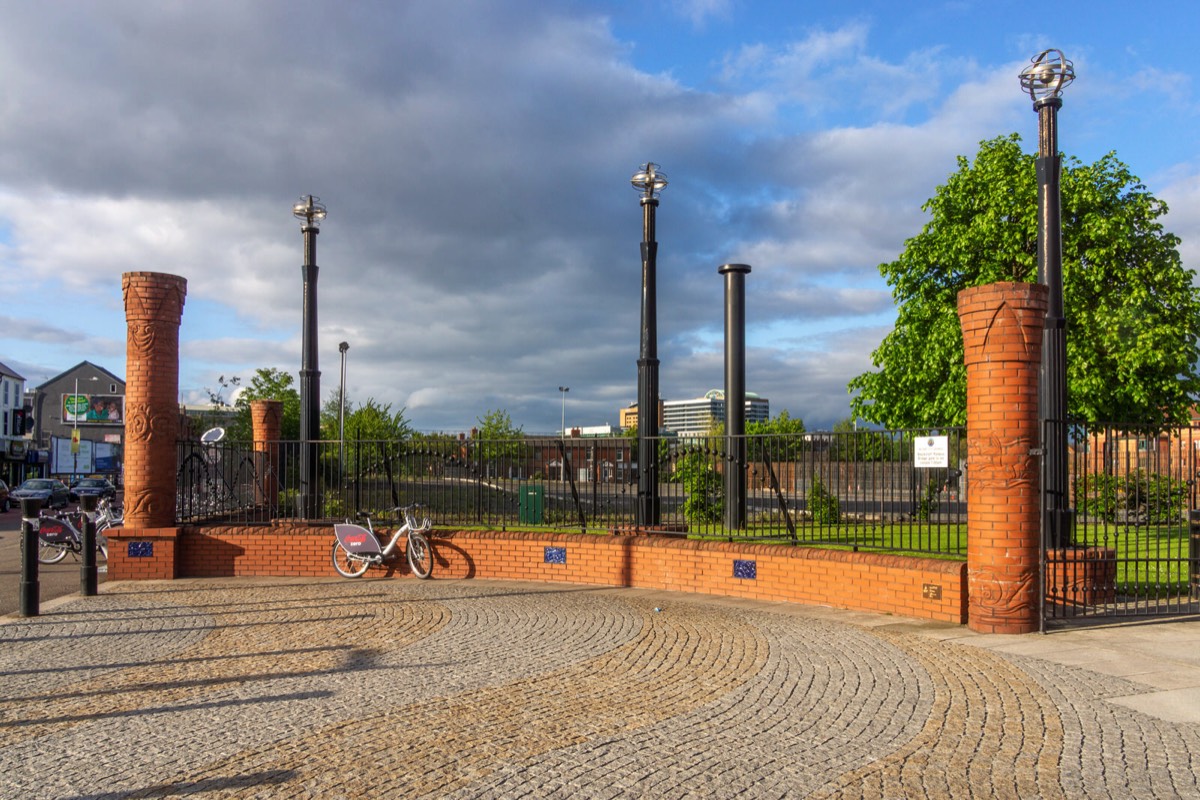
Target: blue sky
[(481, 247)]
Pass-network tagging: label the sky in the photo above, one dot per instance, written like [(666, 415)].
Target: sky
[(481, 248)]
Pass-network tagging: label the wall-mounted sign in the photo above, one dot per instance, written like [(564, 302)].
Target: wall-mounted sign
[(931, 452)]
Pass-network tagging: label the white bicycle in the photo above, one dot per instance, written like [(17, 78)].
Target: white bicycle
[(357, 549)]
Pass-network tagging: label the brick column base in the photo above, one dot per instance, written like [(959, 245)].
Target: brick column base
[(1002, 347)]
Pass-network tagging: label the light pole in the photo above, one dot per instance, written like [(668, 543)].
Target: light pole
[(310, 210), (649, 181), (342, 348), (1043, 80), (563, 426)]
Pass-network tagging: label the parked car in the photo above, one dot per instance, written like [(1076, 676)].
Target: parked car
[(52, 492), (5, 503), (100, 487)]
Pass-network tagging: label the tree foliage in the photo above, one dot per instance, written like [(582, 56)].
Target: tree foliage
[(1133, 311), (499, 437)]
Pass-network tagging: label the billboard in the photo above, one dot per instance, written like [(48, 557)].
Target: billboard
[(93, 409)]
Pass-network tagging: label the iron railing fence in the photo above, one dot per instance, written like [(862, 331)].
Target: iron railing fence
[(1133, 549), (856, 489)]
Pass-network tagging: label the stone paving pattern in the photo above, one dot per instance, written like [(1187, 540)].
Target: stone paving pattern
[(477, 689)]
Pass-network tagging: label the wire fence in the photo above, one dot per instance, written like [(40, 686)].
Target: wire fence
[(857, 489)]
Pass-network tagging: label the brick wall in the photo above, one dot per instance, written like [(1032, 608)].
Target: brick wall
[(906, 586)]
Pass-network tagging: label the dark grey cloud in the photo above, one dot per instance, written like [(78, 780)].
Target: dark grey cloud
[(481, 247)]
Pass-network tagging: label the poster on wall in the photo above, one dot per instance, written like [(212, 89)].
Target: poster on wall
[(93, 409), (106, 457), (63, 461)]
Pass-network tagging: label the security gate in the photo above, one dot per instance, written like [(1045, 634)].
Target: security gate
[(1134, 547)]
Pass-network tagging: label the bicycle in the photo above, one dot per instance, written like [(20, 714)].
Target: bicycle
[(357, 548), (57, 535)]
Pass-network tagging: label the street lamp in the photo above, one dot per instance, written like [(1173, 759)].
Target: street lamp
[(311, 211), (649, 181), (342, 348), (1043, 80), (563, 426)]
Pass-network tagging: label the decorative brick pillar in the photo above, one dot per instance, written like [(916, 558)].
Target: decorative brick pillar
[(266, 417), (153, 311), (1002, 344)]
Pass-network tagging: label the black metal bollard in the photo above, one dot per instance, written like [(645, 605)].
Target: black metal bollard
[(30, 587), (735, 393), (88, 582)]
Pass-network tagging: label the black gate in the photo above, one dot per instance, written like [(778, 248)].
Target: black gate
[(1134, 547)]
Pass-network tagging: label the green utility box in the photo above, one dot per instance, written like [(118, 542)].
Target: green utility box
[(531, 504)]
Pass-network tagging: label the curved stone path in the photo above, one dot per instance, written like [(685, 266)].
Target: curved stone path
[(475, 689)]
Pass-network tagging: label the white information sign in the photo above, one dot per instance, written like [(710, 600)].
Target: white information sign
[(931, 451)]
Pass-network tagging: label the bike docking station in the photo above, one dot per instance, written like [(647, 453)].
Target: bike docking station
[(31, 590)]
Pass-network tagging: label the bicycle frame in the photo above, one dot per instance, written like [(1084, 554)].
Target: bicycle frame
[(357, 548), (361, 541)]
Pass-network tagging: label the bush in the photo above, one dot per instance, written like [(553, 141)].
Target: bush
[(824, 507), (1140, 497), (704, 487)]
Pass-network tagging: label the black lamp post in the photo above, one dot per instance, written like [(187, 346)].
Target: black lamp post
[(1044, 80), (342, 348), (310, 210), (649, 181)]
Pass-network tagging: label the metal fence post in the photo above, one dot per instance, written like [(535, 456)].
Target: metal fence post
[(1194, 552)]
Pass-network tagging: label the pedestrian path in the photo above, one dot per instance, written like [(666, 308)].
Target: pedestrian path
[(481, 689)]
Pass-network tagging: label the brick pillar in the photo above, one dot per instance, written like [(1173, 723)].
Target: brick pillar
[(266, 417), (153, 311), (1002, 344)]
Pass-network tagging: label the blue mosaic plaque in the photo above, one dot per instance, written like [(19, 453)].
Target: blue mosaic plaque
[(556, 555), (745, 569), (141, 549)]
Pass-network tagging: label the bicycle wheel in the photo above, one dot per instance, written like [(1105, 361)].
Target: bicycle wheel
[(420, 555), (51, 553), (348, 566)]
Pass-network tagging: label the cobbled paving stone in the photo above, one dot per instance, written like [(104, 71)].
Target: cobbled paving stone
[(472, 689)]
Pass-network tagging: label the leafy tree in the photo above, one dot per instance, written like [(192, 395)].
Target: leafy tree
[(267, 384), (499, 437), (1133, 311), (851, 444), (781, 437)]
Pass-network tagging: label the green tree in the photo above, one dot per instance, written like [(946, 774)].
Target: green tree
[(499, 437), (268, 384), (1133, 311), (781, 437)]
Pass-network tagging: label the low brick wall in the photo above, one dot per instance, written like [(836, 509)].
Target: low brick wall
[(907, 586)]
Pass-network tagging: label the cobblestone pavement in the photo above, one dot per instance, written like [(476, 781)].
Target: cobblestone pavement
[(475, 689)]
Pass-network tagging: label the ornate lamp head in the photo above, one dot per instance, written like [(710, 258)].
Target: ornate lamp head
[(310, 210), (649, 181), (1044, 79)]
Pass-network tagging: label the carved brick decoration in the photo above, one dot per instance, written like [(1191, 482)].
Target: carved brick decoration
[(266, 419), (1002, 334), (153, 311)]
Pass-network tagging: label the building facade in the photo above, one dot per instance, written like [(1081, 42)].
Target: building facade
[(12, 425), (79, 423), (698, 416)]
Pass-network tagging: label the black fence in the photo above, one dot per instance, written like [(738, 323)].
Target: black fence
[(1134, 548), (858, 490)]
